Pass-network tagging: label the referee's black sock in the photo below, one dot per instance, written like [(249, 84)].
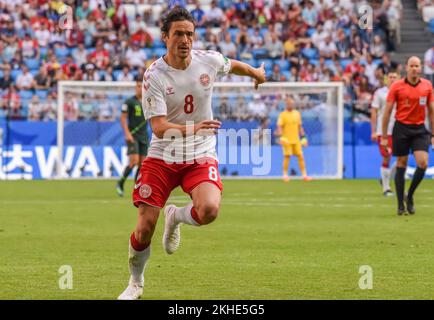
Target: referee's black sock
[(400, 185), (417, 178)]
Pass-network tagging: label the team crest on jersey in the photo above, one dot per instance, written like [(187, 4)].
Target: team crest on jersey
[(170, 91), (204, 79), (145, 191)]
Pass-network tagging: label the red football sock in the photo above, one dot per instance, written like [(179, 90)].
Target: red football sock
[(195, 216), (137, 245)]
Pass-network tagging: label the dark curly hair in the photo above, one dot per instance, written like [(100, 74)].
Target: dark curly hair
[(177, 14)]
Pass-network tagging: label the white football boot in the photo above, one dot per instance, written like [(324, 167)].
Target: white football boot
[(172, 230), (133, 292)]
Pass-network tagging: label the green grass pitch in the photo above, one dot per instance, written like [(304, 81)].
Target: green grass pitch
[(271, 241)]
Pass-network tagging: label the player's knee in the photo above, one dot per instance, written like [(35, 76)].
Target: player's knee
[(402, 163), (144, 233), (208, 212), (423, 164)]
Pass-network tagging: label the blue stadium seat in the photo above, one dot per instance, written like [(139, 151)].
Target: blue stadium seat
[(26, 94), (268, 63), (310, 31), (251, 62), (116, 74), (201, 32), (42, 94), (345, 62), (61, 52), (233, 32), (25, 109), (283, 64), (158, 44), (431, 25), (43, 51), (159, 52), (310, 53), (263, 31), (259, 53), (148, 52), (329, 63), (32, 64), (315, 62), (286, 73), (15, 73)]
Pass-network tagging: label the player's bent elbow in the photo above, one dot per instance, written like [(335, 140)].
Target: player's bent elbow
[(159, 132)]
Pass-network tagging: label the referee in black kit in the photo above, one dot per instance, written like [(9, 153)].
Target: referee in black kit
[(412, 96)]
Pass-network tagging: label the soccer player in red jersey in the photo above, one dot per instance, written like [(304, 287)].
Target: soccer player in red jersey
[(413, 96), (177, 93)]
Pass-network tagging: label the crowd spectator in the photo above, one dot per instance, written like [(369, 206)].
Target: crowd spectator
[(29, 47), (276, 75), (36, 109), (25, 80), (6, 79), (125, 75), (135, 57), (317, 38), (70, 107), (228, 48), (428, 66), (215, 17)]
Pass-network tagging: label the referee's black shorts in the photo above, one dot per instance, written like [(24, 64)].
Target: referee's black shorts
[(410, 138)]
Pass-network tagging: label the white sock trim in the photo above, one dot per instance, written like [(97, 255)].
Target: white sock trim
[(183, 215)]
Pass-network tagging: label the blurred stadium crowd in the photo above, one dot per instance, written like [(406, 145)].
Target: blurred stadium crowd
[(113, 40)]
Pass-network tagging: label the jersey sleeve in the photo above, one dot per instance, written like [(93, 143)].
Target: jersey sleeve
[(124, 107), (376, 101), (220, 62), (153, 101)]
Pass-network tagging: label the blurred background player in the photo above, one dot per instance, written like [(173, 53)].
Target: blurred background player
[(177, 95), (378, 105), (289, 128), (412, 95), (134, 125)]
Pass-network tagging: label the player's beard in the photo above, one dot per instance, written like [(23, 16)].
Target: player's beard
[(184, 52)]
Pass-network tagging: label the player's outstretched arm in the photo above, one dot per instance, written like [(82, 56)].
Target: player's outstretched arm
[(160, 126), (244, 69)]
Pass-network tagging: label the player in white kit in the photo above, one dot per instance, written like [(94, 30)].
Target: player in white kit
[(378, 106), (177, 92)]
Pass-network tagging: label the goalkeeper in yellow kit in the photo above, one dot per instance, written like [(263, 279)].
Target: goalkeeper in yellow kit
[(292, 138)]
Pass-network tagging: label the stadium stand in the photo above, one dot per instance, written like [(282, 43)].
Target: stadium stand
[(117, 40)]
